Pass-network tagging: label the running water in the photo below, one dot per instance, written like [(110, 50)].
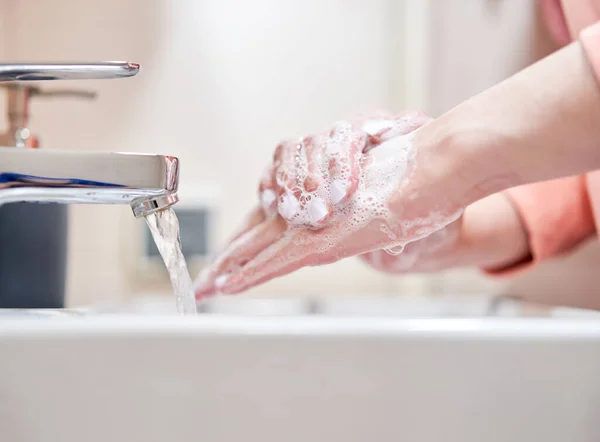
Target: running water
[(165, 231)]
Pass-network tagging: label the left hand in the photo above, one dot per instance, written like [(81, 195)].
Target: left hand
[(438, 251)]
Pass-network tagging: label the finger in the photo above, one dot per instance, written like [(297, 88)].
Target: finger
[(300, 248), (281, 258), (344, 170), (318, 208), (286, 180), (241, 251), (204, 283), (312, 149), (302, 200), (253, 219), (249, 245), (268, 188)]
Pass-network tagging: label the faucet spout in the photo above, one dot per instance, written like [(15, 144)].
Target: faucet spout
[(147, 182)]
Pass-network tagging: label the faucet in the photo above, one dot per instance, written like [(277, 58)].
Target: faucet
[(148, 183)]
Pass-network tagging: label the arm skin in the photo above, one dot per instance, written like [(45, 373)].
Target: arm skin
[(511, 230), (543, 123), (522, 131)]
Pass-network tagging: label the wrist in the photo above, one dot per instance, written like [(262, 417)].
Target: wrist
[(463, 158)]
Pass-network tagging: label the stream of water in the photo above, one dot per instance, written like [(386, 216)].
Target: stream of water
[(165, 231)]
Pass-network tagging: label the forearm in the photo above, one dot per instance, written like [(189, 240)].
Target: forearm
[(542, 123)]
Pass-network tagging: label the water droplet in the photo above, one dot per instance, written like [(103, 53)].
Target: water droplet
[(395, 250)]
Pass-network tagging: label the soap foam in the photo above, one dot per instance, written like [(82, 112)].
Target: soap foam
[(378, 153)]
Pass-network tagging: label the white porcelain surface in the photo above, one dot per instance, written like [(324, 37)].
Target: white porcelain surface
[(307, 378), (371, 305), (407, 306), (231, 305)]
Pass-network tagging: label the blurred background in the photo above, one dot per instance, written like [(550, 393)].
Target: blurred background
[(223, 81)]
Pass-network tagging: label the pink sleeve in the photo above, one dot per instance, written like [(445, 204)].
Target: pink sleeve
[(554, 17), (556, 215), (565, 19), (590, 39), (580, 14)]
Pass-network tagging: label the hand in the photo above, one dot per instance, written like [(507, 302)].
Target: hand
[(489, 235), (359, 187), (439, 251)]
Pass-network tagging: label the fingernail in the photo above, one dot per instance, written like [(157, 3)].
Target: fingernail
[(339, 189), (289, 206), (317, 210)]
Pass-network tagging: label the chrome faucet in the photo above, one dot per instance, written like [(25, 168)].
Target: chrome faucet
[(147, 182)]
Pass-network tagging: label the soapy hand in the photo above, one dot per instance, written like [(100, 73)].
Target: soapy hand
[(489, 235), (358, 187), (433, 253)]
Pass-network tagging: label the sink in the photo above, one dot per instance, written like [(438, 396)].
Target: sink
[(328, 375)]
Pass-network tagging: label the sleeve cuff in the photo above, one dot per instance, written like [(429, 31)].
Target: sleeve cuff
[(590, 39), (556, 215)]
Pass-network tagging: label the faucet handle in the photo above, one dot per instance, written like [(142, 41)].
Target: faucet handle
[(67, 71), (19, 94), (75, 93), (30, 91)]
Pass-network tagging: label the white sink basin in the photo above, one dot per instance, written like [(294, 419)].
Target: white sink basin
[(340, 306), (299, 378)]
